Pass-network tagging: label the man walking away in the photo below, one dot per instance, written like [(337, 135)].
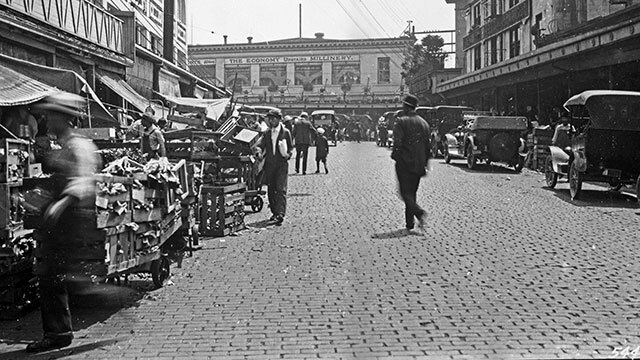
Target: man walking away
[(303, 134), (275, 147), (411, 151)]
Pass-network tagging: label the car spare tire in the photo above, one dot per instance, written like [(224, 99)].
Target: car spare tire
[(502, 147)]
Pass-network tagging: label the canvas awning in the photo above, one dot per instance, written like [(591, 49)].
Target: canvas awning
[(18, 89), (120, 87), (214, 108)]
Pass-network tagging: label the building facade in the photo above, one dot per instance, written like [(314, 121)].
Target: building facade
[(516, 53), (301, 73)]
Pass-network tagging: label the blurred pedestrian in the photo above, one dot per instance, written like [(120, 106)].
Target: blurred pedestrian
[(322, 150), (303, 135), (411, 151), (276, 147), (65, 220), (357, 131)]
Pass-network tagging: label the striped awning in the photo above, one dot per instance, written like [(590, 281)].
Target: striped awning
[(19, 89)]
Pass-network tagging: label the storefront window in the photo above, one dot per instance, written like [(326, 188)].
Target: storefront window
[(384, 71), (273, 75), (514, 43), (243, 79), (345, 72), (308, 74)]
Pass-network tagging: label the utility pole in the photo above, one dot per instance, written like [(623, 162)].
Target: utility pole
[(300, 20)]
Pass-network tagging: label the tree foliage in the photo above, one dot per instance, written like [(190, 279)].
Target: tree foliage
[(424, 56)]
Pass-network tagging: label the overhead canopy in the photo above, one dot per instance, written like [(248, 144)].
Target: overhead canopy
[(213, 108), (65, 80), (120, 87), (608, 109), (17, 89)]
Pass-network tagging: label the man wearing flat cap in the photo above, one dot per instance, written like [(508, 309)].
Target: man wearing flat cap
[(68, 220), (275, 147), (411, 151)]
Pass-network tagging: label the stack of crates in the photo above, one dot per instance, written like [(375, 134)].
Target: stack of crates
[(541, 138), (221, 209)]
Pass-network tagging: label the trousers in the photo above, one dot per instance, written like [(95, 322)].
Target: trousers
[(54, 308), (302, 152), (409, 183), (276, 180)]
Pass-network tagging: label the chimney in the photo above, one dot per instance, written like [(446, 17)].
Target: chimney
[(249, 39), (225, 39), (319, 35)]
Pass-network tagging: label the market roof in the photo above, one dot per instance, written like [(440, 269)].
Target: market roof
[(120, 87), (19, 89)]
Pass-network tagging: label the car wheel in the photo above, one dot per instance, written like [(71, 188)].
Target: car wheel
[(550, 176), (471, 158), (447, 156), (575, 181), (615, 185)]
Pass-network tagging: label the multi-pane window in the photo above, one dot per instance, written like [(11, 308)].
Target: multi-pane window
[(345, 72), (475, 15), (384, 70), (308, 74), (514, 42), (477, 57), (243, 76), (273, 75)]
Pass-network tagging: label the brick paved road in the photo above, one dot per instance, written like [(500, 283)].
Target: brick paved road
[(506, 269)]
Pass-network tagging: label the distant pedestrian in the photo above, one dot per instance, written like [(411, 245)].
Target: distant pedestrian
[(303, 135), (322, 150), (275, 147), (411, 151), (357, 131)]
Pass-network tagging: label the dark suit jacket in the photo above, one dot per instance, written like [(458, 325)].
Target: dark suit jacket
[(411, 148), (272, 160), (303, 132)]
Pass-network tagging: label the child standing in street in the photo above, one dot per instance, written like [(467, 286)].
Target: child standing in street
[(322, 150)]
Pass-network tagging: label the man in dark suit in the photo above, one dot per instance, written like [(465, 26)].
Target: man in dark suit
[(276, 147), (411, 151), (303, 134)]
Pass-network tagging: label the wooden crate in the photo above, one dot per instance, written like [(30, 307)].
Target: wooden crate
[(13, 165), (11, 215), (221, 209)]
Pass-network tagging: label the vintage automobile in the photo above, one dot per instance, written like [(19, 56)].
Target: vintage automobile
[(488, 138), (606, 144), (326, 119), (441, 119)]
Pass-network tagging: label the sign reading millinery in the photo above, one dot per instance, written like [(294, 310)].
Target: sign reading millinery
[(290, 59)]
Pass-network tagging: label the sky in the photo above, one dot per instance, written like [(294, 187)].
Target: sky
[(265, 20)]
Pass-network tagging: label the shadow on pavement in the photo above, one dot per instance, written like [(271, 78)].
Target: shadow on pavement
[(484, 168), (396, 234), (91, 305), (58, 354), (597, 198)]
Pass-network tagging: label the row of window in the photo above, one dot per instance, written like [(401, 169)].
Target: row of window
[(499, 48), (485, 9), (304, 73)]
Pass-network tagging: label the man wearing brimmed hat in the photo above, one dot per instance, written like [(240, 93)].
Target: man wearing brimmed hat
[(67, 220), (303, 135), (275, 147), (411, 151)]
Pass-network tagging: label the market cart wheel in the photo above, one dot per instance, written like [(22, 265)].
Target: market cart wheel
[(471, 158), (160, 271), (575, 181), (257, 203), (519, 165), (550, 176)]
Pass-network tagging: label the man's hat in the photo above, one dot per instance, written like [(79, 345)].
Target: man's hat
[(304, 114), (287, 118), (274, 113), (320, 131), (63, 102), (410, 100)]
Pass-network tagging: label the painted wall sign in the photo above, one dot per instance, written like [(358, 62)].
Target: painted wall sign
[(290, 59)]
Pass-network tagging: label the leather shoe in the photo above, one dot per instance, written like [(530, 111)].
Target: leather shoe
[(279, 219), (47, 344), (422, 221)]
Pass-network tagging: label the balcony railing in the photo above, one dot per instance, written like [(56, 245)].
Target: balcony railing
[(76, 17)]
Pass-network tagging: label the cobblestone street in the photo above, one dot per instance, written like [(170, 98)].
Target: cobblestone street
[(506, 269)]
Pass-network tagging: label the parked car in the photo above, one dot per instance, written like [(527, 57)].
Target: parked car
[(606, 144), (441, 119), (326, 119), (489, 139)]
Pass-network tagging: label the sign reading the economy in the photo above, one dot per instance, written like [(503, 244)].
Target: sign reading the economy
[(290, 59)]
